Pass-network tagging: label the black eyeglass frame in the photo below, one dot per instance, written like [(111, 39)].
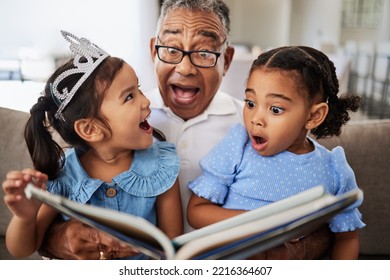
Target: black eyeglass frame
[(184, 53)]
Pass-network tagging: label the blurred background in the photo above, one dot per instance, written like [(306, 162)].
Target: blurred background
[(355, 34)]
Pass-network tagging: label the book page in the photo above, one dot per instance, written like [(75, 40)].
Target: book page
[(278, 206), (279, 223), (123, 226)]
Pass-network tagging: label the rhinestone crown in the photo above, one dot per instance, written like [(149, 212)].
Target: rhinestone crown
[(93, 56)]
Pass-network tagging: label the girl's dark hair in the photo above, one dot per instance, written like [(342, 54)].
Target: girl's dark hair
[(316, 75), (46, 154)]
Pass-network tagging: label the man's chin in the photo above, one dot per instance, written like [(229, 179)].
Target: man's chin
[(185, 112)]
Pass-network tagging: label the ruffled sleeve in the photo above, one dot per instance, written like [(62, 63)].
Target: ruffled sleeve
[(220, 165), (153, 171), (350, 219)]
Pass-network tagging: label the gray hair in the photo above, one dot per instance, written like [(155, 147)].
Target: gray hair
[(217, 7)]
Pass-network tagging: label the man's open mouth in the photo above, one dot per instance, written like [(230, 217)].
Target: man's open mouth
[(185, 95)]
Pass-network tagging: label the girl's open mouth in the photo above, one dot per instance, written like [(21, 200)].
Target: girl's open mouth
[(145, 125), (259, 140), (259, 143)]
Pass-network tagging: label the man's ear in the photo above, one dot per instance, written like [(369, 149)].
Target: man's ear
[(318, 113), (152, 43), (228, 56), (89, 130)]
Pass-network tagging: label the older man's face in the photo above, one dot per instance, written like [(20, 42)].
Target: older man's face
[(186, 88)]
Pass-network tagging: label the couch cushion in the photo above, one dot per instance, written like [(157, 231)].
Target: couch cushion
[(13, 156), (366, 145), (13, 151)]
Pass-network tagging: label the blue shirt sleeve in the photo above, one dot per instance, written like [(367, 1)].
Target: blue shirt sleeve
[(350, 219), (220, 165)]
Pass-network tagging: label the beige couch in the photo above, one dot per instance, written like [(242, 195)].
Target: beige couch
[(366, 145)]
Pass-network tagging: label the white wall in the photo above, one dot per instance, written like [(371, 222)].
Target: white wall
[(315, 21), (263, 23), (269, 23), (121, 27)]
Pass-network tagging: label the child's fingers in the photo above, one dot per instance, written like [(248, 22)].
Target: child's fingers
[(15, 175), (10, 200), (38, 178), (13, 187)]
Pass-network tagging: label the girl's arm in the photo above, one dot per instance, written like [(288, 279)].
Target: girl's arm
[(26, 229), (24, 237), (346, 246), (202, 212), (169, 212)]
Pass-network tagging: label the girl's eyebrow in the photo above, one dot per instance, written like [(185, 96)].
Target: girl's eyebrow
[(279, 96), (270, 95), (126, 90), (250, 90)]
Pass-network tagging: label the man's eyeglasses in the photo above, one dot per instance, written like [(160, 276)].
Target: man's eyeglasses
[(172, 55)]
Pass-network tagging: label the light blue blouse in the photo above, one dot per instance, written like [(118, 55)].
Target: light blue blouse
[(237, 177), (153, 172)]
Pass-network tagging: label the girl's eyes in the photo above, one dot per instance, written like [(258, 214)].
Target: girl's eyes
[(249, 103), (276, 110), (129, 97)]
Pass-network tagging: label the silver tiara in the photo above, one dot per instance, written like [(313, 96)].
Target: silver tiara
[(93, 56)]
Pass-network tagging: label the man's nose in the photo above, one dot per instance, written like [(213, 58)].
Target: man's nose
[(185, 66)]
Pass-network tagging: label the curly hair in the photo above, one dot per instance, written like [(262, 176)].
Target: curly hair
[(316, 74)]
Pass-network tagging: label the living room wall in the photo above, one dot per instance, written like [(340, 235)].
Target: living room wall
[(122, 28)]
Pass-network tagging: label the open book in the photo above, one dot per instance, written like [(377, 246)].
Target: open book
[(235, 238)]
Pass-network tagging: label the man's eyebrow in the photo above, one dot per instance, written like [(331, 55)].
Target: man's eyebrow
[(202, 32), (170, 31), (210, 34)]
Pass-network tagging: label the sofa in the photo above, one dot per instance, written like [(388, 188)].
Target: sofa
[(366, 144)]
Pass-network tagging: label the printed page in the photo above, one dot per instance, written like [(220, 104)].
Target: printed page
[(279, 224), (128, 228), (252, 215)]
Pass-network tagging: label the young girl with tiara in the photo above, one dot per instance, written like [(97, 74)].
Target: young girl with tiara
[(290, 92), (95, 105)]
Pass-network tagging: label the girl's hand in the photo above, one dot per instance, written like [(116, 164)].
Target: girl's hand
[(15, 198)]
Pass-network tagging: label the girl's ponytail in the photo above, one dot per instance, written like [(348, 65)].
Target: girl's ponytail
[(47, 156)]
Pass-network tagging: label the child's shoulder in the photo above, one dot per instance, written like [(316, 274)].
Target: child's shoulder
[(237, 132), (334, 152), (335, 155), (159, 155)]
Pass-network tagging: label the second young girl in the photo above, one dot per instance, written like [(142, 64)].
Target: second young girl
[(290, 91)]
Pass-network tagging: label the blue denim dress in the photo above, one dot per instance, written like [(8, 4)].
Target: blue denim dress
[(134, 191)]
